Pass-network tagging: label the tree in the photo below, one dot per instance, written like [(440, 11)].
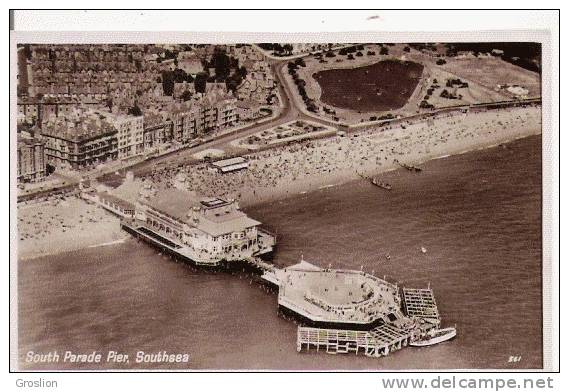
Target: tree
[(233, 81), (186, 95), (266, 46), (384, 50), (179, 75), (221, 63), (299, 62), (168, 54), (242, 71), (278, 48), (135, 111), (168, 83), (200, 82)]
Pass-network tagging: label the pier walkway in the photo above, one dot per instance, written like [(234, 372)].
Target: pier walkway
[(261, 264)]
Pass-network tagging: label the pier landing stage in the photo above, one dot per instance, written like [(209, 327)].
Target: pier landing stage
[(339, 297)]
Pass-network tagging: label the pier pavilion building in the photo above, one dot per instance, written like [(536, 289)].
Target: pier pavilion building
[(205, 230)]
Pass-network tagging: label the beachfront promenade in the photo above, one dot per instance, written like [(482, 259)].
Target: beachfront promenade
[(282, 172), (291, 169), (290, 109)]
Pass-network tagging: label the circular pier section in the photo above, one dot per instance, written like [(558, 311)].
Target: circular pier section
[(337, 296)]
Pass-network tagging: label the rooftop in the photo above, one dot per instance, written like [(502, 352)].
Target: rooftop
[(80, 126), (229, 162), (174, 202), (215, 217)]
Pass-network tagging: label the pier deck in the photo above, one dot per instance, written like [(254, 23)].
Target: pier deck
[(377, 342), (267, 268), (420, 303)]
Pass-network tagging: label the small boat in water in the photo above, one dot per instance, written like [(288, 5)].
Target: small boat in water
[(435, 336), (381, 184), (376, 182), (409, 167)]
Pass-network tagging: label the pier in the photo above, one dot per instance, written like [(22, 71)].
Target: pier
[(395, 322), (164, 244), (378, 342), (340, 311), (335, 297)]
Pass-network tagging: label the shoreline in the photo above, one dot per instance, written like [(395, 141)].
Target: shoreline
[(109, 237), (71, 223), (316, 181), (339, 180), (52, 227)]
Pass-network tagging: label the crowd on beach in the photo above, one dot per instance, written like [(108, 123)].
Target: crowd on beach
[(60, 223), (65, 223), (274, 173)]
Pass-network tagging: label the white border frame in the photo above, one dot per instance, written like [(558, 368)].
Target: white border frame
[(550, 94)]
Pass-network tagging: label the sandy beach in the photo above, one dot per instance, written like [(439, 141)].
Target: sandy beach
[(285, 171), (63, 225), (71, 223)]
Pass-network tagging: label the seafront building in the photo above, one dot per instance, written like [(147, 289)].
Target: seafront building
[(47, 108), (130, 134), (204, 230), (215, 110), (230, 165), (158, 129), (80, 140), (85, 136), (31, 157), (83, 97)]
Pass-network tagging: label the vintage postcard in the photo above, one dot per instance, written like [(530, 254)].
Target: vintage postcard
[(324, 203)]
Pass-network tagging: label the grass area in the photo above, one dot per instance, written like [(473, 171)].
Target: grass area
[(385, 85), (491, 71)]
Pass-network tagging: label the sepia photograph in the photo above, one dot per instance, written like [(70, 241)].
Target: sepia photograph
[(278, 205)]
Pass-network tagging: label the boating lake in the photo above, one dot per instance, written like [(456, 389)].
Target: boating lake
[(478, 215)]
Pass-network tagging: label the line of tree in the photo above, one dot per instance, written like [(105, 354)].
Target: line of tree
[(168, 79), (277, 49), (301, 86)]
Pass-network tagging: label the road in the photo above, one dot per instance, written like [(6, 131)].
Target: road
[(292, 109), (289, 112)]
